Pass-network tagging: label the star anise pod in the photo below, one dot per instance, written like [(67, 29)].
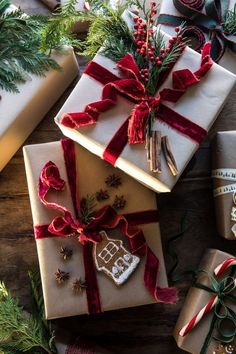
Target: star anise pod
[(61, 276), (66, 253), (102, 195), (79, 285), (119, 202), (113, 181)]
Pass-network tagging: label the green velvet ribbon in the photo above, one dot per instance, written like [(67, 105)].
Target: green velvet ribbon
[(212, 23), (223, 324)]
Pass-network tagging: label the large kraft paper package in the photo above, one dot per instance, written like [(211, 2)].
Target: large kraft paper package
[(60, 301), (196, 299), (201, 104), (224, 182), (20, 113)]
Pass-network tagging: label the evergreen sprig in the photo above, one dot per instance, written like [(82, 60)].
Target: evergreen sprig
[(229, 24), (87, 208), (21, 332), (20, 48)]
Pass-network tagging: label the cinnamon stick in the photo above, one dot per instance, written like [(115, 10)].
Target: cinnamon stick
[(169, 156), (155, 151)]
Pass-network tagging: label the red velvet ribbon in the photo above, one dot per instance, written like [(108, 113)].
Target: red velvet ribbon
[(106, 218), (131, 87)]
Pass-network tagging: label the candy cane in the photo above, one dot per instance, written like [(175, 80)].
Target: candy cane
[(209, 306)]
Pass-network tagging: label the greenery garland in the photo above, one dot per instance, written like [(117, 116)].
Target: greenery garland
[(21, 332), (21, 53)]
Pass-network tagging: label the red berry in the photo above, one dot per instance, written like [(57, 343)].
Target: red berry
[(152, 57), (137, 50), (140, 20), (154, 12), (151, 21), (167, 50), (162, 50), (159, 62), (172, 40), (180, 38), (177, 29), (136, 19), (153, 4), (136, 26), (157, 58)]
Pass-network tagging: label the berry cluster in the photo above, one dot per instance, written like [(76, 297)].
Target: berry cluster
[(143, 37)]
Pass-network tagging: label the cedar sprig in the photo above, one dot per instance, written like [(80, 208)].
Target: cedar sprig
[(229, 25), (58, 31), (20, 54), (106, 25), (110, 34), (20, 332), (87, 208)]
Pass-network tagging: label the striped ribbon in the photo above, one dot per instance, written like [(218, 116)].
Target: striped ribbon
[(219, 270)]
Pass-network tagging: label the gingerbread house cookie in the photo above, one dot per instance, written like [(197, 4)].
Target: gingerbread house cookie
[(114, 260)]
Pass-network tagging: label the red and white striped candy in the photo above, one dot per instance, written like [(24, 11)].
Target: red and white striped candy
[(219, 270)]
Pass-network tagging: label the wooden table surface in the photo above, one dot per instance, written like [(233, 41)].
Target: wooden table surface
[(147, 329)]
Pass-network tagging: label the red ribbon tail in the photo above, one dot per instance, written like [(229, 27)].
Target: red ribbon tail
[(166, 295), (92, 290)]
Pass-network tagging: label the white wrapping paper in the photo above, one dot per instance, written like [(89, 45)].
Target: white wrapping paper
[(20, 113), (201, 104), (228, 61)]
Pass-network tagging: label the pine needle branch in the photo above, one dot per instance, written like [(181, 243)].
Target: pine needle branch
[(20, 43), (20, 332), (229, 24), (87, 208)]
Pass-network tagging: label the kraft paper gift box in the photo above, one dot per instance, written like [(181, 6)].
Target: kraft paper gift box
[(21, 112), (228, 60), (196, 299), (91, 173), (201, 104), (224, 182)]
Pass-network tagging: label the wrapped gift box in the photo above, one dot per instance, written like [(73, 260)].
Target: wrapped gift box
[(196, 299), (20, 113), (224, 182), (200, 104), (228, 60), (91, 172)]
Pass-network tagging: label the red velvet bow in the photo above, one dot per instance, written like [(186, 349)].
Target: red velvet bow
[(67, 225), (132, 88)]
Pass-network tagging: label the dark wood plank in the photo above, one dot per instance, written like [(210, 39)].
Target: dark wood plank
[(142, 330)]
